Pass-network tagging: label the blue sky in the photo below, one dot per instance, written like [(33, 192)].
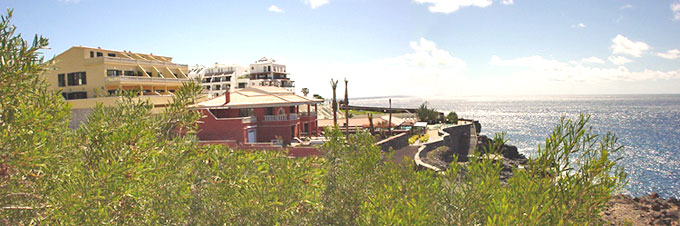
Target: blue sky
[(393, 47)]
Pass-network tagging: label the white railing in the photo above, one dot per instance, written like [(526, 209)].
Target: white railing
[(143, 79), (134, 61), (275, 117), (251, 119), (313, 113), (294, 116)]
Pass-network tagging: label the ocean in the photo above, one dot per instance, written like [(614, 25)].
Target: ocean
[(647, 125)]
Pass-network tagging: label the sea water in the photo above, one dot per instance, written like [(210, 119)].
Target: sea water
[(647, 125)]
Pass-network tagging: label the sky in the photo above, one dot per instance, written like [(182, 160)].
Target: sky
[(426, 48)]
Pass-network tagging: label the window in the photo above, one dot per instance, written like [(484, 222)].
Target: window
[(91, 54), (242, 85), (269, 68), (61, 79), (111, 72), (99, 54), (76, 78), (129, 73), (74, 95), (111, 54), (149, 74), (245, 112), (269, 111), (218, 87), (292, 109), (206, 87)]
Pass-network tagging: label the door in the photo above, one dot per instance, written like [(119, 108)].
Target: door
[(252, 136)]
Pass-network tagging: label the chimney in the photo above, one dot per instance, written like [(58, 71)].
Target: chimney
[(227, 98)]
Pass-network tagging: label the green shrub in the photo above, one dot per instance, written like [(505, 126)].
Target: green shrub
[(127, 166)]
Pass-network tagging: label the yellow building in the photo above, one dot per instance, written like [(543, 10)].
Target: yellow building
[(85, 72), (87, 76)]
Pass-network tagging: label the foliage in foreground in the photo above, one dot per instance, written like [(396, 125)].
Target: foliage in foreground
[(129, 167)]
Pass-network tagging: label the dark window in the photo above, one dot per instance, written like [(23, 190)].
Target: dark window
[(74, 95), (172, 90), (99, 54), (149, 74), (269, 111), (61, 79), (76, 78), (111, 72), (242, 85), (292, 109), (111, 54), (129, 73), (245, 112), (91, 54)]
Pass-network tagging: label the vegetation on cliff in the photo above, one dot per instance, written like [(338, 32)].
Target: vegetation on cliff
[(129, 167)]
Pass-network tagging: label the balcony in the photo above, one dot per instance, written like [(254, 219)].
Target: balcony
[(251, 119), (142, 79), (307, 114), (275, 118), (107, 59), (271, 118), (294, 116)]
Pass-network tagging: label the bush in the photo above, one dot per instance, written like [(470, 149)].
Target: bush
[(413, 139), (424, 138), (127, 166)]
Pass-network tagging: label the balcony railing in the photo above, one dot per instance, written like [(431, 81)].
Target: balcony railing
[(313, 113), (275, 117), (144, 79), (292, 116), (132, 61), (251, 119)]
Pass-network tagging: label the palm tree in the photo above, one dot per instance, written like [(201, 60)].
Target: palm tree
[(334, 85), (346, 111), (305, 91)]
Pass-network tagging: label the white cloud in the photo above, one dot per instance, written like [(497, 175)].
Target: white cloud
[(316, 3), (426, 70), (592, 60), (449, 6), (580, 25), (508, 2), (626, 6), (670, 54), (275, 9), (552, 70), (619, 60), (623, 45), (675, 7)]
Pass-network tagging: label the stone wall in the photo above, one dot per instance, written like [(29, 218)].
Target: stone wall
[(458, 138), (395, 142)]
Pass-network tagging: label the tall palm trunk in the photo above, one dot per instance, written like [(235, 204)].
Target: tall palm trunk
[(346, 112), (334, 85)]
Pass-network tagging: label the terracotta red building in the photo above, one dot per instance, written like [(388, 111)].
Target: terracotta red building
[(258, 114)]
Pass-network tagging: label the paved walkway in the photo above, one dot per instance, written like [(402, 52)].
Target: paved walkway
[(408, 151)]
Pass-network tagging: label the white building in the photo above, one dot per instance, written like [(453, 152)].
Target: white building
[(266, 72), (219, 78)]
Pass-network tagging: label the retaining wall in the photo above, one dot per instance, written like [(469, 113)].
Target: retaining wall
[(395, 142), (458, 138)]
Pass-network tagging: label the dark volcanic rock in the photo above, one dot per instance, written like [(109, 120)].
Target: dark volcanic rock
[(645, 210)]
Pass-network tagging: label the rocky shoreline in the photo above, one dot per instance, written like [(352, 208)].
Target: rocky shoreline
[(620, 209), (645, 210)]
